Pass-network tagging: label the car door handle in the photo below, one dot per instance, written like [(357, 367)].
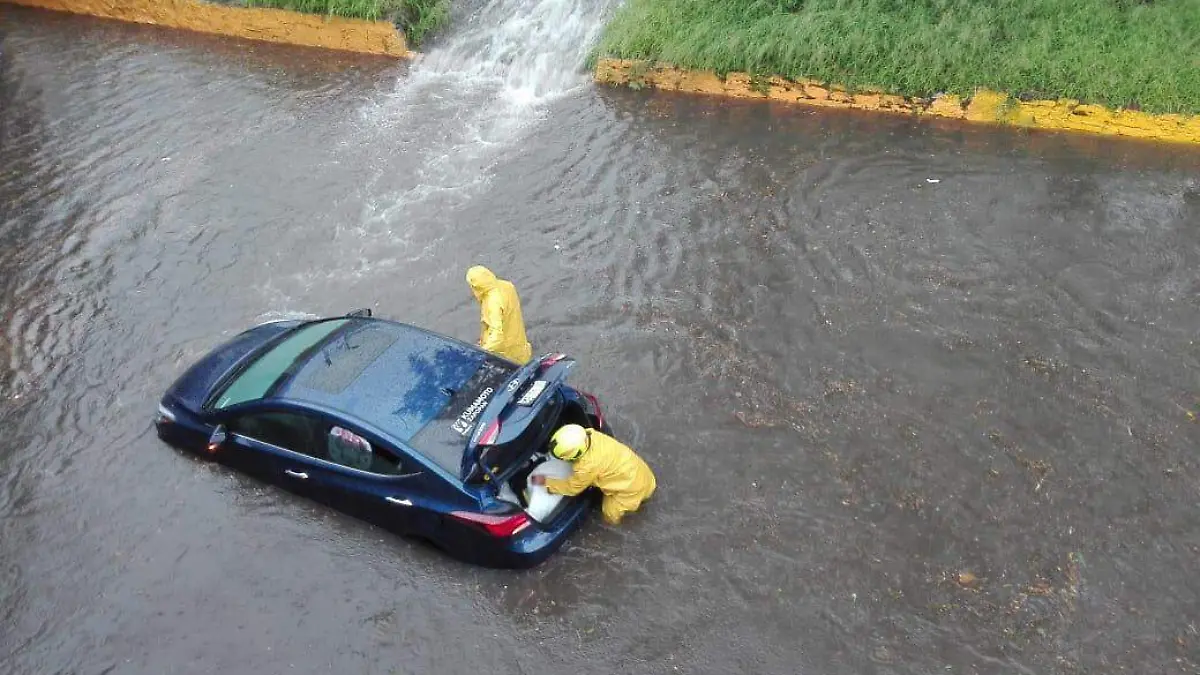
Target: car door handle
[(401, 502), (296, 474)]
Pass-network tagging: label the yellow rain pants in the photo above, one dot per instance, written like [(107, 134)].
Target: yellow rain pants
[(501, 326), (624, 478)]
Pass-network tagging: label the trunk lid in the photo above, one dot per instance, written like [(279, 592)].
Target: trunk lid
[(517, 421)]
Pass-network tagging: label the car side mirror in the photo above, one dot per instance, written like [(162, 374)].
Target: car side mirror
[(218, 438)]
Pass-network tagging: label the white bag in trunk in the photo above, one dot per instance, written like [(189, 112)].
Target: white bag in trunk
[(542, 503)]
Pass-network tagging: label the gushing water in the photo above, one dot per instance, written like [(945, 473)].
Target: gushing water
[(485, 85), (530, 50)]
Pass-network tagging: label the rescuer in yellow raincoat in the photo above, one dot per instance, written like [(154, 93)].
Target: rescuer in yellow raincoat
[(501, 326), (600, 460)]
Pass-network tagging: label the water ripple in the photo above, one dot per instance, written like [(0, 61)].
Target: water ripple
[(863, 355)]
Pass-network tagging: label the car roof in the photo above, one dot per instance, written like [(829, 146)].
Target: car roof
[(392, 376)]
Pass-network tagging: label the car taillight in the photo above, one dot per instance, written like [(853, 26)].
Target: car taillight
[(596, 407), (497, 526), (490, 434)]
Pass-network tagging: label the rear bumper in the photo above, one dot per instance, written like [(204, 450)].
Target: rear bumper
[(536, 545), (529, 548)]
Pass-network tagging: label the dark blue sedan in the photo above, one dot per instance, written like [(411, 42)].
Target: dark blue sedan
[(419, 433)]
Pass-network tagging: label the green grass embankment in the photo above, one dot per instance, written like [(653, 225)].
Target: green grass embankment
[(1140, 54), (417, 18)]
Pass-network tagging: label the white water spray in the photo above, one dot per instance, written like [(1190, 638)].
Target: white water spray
[(478, 92), (530, 50)]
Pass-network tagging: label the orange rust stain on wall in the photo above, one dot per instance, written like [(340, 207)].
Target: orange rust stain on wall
[(984, 106), (269, 25)]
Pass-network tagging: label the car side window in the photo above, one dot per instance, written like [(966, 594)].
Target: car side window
[(286, 430), (351, 450)]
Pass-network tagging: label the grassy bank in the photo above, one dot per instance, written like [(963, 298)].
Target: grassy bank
[(417, 18), (1143, 54)]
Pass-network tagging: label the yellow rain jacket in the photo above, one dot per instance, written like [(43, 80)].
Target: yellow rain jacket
[(624, 478), (501, 326)]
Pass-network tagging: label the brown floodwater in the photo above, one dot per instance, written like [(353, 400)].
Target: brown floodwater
[(921, 398)]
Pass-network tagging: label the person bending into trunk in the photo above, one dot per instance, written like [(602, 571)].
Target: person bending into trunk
[(604, 462), (501, 326)]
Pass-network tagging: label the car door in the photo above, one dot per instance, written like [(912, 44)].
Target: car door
[(379, 483), (276, 446)]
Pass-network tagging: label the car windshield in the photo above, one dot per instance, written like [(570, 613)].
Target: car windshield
[(255, 381)]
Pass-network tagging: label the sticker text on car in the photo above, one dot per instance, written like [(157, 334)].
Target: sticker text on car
[(463, 424)]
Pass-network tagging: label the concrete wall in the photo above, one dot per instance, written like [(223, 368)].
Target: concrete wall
[(985, 106)]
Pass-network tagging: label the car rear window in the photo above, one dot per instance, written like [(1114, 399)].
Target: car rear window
[(444, 438), (254, 382)]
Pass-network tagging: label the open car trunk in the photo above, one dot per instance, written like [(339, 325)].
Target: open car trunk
[(541, 505)]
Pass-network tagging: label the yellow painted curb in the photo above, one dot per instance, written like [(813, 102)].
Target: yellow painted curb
[(985, 106), (268, 25)]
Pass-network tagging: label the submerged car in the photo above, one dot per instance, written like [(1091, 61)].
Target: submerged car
[(416, 432)]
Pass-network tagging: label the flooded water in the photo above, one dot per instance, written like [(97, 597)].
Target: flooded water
[(921, 398)]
